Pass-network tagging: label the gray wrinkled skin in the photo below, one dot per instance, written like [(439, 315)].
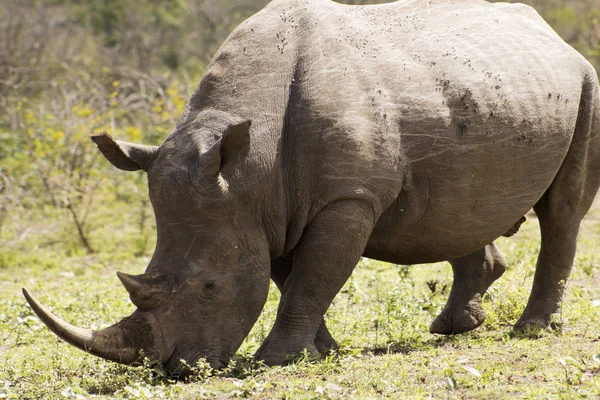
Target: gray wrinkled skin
[(409, 132)]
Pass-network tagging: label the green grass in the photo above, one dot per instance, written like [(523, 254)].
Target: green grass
[(380, 318)]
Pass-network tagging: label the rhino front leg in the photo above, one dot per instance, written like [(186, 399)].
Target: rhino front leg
[(473, 274), (280, 270), (326, 255)]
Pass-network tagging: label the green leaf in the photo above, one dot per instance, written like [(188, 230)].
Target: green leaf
[(451, 382), (471, 370), (570, 361)]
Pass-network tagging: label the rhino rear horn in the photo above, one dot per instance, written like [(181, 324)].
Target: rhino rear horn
[(146, 292), (124, 155)]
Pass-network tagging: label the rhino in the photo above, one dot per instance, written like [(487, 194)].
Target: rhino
[(410, 132)]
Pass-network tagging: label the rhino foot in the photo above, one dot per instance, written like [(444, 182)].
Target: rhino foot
[(532, 324), (324, 342), (281, 352), (273, 352), (452, 321), (473, 274)]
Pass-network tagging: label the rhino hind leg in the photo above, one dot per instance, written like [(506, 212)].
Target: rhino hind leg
[(554, 264), (280, 270), (473, 274), (561, 209), (559, 231)]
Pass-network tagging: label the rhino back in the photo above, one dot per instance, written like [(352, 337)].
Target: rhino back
[(457, 115), (438, 112)]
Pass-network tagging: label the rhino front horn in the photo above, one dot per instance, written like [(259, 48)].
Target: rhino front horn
[(123, 342)]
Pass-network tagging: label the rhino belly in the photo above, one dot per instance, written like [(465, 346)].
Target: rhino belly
[(458, 201)]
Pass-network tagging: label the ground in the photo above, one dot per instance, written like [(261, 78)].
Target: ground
[(381, 319)]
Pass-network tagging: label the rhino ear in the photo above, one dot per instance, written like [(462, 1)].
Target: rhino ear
[(124, 155), (235, 143), (231, 149)]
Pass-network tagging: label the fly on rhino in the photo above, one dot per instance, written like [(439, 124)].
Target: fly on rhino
[(408, 132)]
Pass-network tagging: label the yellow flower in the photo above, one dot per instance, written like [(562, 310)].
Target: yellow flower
[(82, 111), (58, 135), (133, 133)]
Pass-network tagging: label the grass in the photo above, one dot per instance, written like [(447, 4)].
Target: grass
[(380, 318)]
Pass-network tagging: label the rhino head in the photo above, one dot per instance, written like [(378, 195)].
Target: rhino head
[(208, 279)]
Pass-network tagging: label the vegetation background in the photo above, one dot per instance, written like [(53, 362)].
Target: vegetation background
[(68, 220)]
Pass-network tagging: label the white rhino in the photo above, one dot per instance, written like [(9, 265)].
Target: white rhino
[(409, 132)]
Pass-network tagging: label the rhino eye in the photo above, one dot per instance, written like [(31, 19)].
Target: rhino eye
[(209, 285)]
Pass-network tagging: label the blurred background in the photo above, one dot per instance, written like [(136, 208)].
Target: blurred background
[(72, 67)]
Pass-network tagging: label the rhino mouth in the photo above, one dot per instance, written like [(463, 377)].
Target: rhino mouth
[(182, 367)]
